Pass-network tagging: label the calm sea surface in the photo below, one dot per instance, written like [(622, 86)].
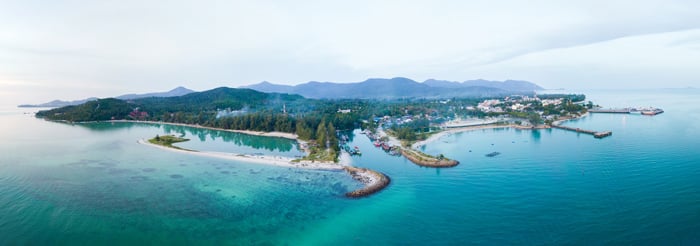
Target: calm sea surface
[(94, 184)]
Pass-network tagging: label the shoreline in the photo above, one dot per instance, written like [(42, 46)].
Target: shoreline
[(286, 135), (422, 159), (374, 181), (260, 159), (441, 134), (449, 131), (560, 121)]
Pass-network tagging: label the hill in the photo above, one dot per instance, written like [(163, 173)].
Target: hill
[(508, 85), (178, 91), (190, 106), (399, 88)]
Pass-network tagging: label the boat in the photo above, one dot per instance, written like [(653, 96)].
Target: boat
[(492, 154), (386, 147), (651, 112)]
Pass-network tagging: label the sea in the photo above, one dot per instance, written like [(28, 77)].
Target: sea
[(94, 184)]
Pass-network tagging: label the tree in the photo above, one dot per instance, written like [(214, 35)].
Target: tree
[(332, 138), (321, 134), (303, 130), (534, 119)]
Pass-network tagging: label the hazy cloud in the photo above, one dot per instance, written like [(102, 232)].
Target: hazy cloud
[(103, 48)]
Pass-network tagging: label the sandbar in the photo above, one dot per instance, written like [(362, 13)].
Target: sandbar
[(260, 159)]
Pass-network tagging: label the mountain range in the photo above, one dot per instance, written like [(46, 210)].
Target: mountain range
[(187, 108), (379, 88), (178, 91)]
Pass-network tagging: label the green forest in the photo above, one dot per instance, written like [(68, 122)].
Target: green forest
[(314, 120)]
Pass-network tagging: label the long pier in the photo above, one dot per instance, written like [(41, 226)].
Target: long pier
[(612, 111), (594, 133), (643, 111)]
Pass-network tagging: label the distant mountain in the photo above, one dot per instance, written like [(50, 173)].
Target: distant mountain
[(179, 91), (186, 108), (270, 87), (399, 88), (508, 85), (57, 103)]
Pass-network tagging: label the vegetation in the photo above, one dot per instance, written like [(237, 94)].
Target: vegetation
[(98, 110), (168, 141), (312, 120), (316, 153), (423, 159)]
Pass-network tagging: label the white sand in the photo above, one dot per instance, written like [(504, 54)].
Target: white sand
[(392, 140), (260, 159), (559, 122), (344, 159)]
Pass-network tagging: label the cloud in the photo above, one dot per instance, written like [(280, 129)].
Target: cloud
[(136, 46), (643, 61)]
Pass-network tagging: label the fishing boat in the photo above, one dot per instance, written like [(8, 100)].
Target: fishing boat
[(492, 154), (651, 112)]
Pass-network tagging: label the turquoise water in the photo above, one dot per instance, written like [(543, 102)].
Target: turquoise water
[(75, 184)]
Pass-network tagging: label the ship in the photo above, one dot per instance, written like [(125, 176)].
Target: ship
[(652, 111)]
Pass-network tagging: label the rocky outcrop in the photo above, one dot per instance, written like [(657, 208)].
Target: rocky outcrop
[(426, 160), (374, 181)]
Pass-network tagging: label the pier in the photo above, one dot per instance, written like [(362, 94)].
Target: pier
[(594, 133), (644, 111), (612, 111)]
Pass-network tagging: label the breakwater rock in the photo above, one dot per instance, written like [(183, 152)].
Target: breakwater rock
[(374, 181), (425, 160)]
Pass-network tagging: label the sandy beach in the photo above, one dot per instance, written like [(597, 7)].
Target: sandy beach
[(261, 159), (565, 119)]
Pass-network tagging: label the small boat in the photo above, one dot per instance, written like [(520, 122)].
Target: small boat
[(492, 154), (386, 147), (652, 112)]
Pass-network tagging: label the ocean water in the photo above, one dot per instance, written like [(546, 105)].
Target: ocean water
[(78, 184)]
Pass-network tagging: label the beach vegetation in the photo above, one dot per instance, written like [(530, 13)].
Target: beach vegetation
[(168, 141)]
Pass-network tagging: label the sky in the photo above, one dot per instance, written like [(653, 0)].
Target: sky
[(76, 49)]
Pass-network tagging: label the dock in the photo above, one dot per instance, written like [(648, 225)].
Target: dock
[(651, 111), (594, 133), (612, 111)]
